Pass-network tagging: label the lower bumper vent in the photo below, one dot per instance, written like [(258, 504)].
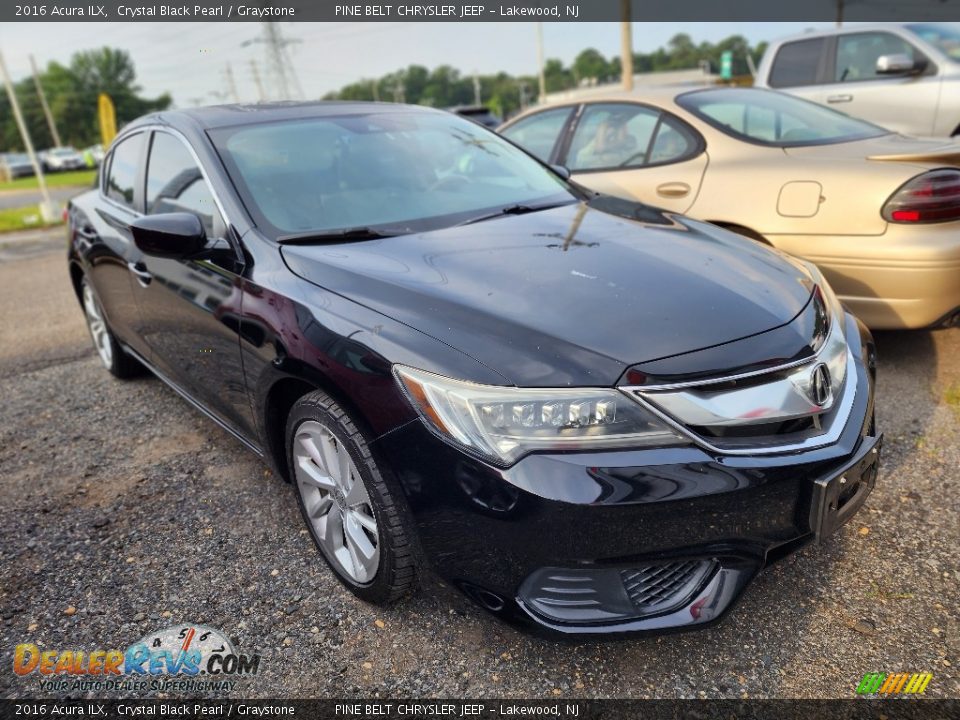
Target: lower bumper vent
[(659, 588), (595, 595)]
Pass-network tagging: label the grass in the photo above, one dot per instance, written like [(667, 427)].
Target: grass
[(952, 397), (23, 218), (73, 177)]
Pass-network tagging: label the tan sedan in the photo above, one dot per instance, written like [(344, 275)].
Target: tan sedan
[(878, 212)]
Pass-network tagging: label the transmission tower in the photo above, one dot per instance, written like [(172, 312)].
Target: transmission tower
[(278, 60)]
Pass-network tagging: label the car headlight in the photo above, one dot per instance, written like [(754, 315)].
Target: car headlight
[(505, 423)]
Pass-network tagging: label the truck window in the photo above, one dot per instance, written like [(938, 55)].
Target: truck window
[(797, 63)]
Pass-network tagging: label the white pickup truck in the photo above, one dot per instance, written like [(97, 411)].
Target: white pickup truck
[(905, 78)]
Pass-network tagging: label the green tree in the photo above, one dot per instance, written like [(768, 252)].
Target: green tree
[(556, 76), (591, 65)]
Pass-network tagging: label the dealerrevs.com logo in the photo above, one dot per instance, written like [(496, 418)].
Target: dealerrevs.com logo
[(181, 657)]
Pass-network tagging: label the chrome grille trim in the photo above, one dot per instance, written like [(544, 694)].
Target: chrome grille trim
[(725, 379), (831, 433)]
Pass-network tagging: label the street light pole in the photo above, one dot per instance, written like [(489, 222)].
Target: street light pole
[(46, 108), (626, 46), (46, 206), (541, 77)]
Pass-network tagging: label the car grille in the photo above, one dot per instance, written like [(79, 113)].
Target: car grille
[(660, 588)]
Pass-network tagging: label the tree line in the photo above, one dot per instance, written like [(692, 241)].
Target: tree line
[(446, 86), (72, 92), (72, 89)]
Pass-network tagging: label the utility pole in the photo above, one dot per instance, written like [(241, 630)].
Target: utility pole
[(231, 84), (255, 69), (47, 211), (277, 59), (476, 88), (43, 102), (542, 78), (626, 46), (840, 13), (376, 89)]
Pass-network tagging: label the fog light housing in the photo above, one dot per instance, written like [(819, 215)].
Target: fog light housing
[(606, 595)]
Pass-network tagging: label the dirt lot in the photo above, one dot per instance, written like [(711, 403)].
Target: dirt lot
[(124, 511)]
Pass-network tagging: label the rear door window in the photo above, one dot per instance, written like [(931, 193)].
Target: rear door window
[(798, 63), (124, 169)]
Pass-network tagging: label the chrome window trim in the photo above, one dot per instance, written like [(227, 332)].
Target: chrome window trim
[(827, 438)]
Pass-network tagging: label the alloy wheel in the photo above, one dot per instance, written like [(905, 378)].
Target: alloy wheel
[(336, 502), (97, 325)]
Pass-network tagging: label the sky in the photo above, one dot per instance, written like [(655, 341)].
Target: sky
[(190, 60)]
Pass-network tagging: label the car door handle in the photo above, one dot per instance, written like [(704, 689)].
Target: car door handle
[(839, 98), (140, 270), (673, 190)]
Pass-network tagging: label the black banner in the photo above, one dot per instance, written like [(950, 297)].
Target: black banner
[(393, 709), (478, 10)]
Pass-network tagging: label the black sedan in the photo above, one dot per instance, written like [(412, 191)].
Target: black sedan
[(590, 415)]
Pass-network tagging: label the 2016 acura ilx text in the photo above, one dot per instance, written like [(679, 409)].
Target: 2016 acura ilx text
[(590, 415)]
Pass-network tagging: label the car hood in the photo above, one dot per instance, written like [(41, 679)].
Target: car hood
[(567, 296), (897, 148)]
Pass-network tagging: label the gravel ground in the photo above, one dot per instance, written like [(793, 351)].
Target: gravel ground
[(125, 511)]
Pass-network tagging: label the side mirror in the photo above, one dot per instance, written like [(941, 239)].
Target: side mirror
[(898, 64), (561, 171), (171, 235)]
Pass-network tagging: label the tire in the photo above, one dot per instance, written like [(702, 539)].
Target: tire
[(111, 354), (358, 522)]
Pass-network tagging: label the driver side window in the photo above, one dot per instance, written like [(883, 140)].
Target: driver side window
[(857, 54), (175, 184)]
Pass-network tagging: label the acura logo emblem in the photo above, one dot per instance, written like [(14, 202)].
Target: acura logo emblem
[(820, 390)]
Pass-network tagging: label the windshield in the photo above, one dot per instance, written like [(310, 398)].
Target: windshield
[(398, 172), (771, 118), (17, 158), (63, 152), (944, 38)]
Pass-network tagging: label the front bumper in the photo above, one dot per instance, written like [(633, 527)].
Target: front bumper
[(614, 514)]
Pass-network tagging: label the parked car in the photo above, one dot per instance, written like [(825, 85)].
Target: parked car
[(478, 113), (14, 165), (62, 158), (903, 77), (591, 416), (879, 213)]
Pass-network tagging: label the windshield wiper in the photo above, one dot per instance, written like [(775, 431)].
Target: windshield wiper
[(334, 236), (518, 209)]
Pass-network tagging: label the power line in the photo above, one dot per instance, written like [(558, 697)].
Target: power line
[(278, 61), (231, 85)]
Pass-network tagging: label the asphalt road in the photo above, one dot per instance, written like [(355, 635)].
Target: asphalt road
[(124, 510), (22, 198)]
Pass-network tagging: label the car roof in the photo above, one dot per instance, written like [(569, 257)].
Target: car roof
[(845, 30), (659, 94), (219, 116)]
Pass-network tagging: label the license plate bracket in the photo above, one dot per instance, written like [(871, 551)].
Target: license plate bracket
[(838, 496)]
